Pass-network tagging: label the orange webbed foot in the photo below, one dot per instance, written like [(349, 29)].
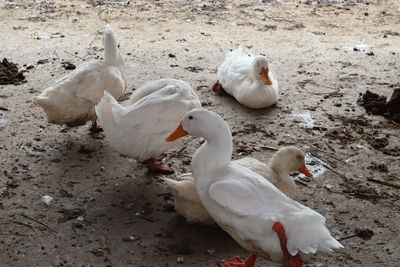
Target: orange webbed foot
[(237, 261), (217, 88), (95, 128), (288, 259), (156, 165)]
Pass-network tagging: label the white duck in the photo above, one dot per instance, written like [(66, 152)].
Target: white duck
[(71, 99), (277, 170), (138, 129), (247, 78), (253, 211)]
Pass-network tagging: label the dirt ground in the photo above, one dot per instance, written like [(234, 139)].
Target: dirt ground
[(109, 211)]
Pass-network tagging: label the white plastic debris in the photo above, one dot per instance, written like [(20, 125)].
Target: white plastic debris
[(305, 119), (315, 165), (211, 251), (46, 36), (349, 161), (80, 218), (46, 199), (129, 238), (329, 186), (364, 48)]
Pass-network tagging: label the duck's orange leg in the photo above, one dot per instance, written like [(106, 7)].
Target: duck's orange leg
[(158, 166), (95, 128), (288, 260), (237, 261), (217, 88)]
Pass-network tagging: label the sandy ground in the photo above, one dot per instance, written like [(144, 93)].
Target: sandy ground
[(101, 198)]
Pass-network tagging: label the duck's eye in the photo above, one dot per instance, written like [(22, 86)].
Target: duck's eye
[(190, 117), (119, 45)]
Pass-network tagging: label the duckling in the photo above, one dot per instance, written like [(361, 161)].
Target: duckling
[(285, 161)]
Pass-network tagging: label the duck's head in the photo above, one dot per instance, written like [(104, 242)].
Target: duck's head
[(112, 53), (289, 159), (259, 69), (109, 39), (199, 123)]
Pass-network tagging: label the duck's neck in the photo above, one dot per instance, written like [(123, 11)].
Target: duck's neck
[(112, 54), (284, 179), (255, 73), (214, 154)]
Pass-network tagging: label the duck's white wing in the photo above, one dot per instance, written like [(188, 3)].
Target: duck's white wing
[(249, 197), (139, 130), (97, 77), (234, 72), (305, 228)]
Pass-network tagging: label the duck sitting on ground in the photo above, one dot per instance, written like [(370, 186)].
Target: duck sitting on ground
[(138, 129), (247, 78), (277, 170), (71, 99), (252, 210)]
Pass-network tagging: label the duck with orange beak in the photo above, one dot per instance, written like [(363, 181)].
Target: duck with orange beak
[(248, 78), (252, 210)]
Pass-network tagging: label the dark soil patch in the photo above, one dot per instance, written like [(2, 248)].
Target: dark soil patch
[(339, 133), (378, 143), (9, 73), (195, 69), (376, 104), (365, 234), (68, 65), (378, 167), (70, 214), (359, 190)]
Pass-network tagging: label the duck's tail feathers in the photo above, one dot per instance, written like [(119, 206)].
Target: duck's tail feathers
[(243, 49), (173, 184), (106, 110), (45, 103), (307, 233), (41, 100)]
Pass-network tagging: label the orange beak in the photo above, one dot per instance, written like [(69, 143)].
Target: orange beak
[(305, 171), (178, 133), (265, 76)]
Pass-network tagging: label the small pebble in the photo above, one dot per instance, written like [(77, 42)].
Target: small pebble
[(46, 199), (211, 251), (129, 238), (329, 186)]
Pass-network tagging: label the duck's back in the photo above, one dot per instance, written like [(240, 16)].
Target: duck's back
[(139, 130), (234, 73), (71, 99), (187, 202)]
